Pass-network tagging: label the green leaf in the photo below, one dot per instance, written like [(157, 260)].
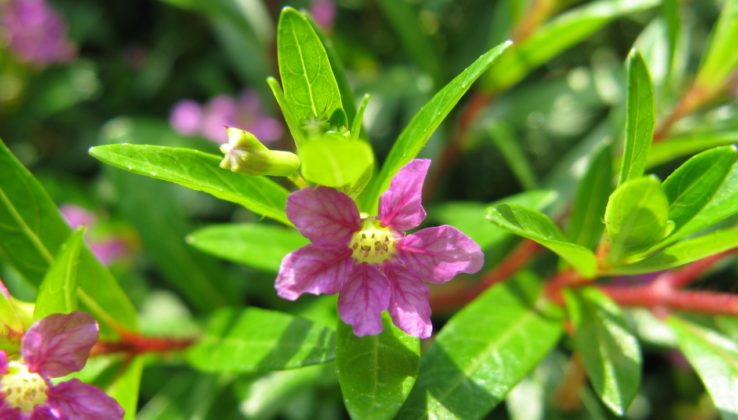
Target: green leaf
[(310, 88), (557, 36), (256, 245), (356, 125), (686, 145), (715, 358), (126, 386), (293, 124), (257, 340), (693, 184), (31, 238), (721, 57), (424, 123), (337, 162), (639, 119), (58, 291), (484, 350), (376, 373), (610, 352), (469, 218), (198, 171), (593, 190), (722, 205), (536, 226), (405, 20), (684, 252), (636, 217)]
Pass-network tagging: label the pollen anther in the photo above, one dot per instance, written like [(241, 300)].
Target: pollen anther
[(373, 243)]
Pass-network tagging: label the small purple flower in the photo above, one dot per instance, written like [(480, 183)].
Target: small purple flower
[(369, 261), (53, 347), (107, 250), (36, 33), (189, 118), (324, 13)]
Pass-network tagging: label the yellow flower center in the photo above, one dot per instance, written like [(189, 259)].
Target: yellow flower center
[(22, 389), (373, 243)]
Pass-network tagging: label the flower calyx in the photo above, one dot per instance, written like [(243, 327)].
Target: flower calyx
[(244, 153)]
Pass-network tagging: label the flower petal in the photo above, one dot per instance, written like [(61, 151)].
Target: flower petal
[(45, 412), (9, 413), (59, 344), (438, 254), (313, 269), (77, 400), (3, 363), (401, 205), (323, 215), (408, 303), (363, 298)]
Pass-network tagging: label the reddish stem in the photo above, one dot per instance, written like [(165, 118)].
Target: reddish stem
[(691, 272), (135, 344), (512, 263), (658, 298)]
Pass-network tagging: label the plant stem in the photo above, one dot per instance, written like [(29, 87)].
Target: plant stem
[(133, 344)]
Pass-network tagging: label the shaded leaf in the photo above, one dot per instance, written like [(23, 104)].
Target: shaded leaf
[(198, 171), (376, 373), (536, 226), (484, 350), (588, 211), (257, 340), (253, 244), (57, 293)]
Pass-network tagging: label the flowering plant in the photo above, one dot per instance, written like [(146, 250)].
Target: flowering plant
[(530, 213)]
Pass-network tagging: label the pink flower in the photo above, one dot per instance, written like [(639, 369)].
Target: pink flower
[(107, 250), (54, 346), (369, 261), (324, 13)]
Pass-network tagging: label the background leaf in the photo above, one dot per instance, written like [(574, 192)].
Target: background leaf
[(256, 245), (636, 217), (376, 373), (639, 119), (538, 227), (31, 238), (610, 352), (588, 211), (721, 57), (58, 291), (198, 171), (257, 340), (715, 358), (481, 353), (424, 123)]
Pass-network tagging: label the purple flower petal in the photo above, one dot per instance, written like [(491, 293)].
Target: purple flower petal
[(313, 269), (77, 400), (363, 298), (9, 413), (438, 254), (408, 304), (76, 216), (324, 12), (323, 215), (401, 205), (45, 412), (219, 113), (186, 117), (3, 363), (59, 344)]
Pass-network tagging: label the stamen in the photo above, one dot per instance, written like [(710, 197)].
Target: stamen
[(23, 390), (374, 243)]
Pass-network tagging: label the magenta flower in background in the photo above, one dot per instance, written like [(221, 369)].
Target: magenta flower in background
[(189, 118), (35, 32), (107, 250), (53, 347), (323, 12), (369, 261)]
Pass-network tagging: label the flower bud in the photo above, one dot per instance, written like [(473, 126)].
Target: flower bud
[(244, 153)]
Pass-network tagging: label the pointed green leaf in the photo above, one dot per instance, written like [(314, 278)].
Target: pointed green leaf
[(636, 217), (126, 385), (256, 245), (257, 340), (58, 291), (416, 134), (484, 351), (198, 171), (588, 211), (684, 252), (688, 144), (377, 372), (715, 358), (536, 226), (469, 218), (31, 238), (556, 36), (337, 162), (610, 352), (293, 124), (721, 57), (310, 88), (693, 184), (639, 119)]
